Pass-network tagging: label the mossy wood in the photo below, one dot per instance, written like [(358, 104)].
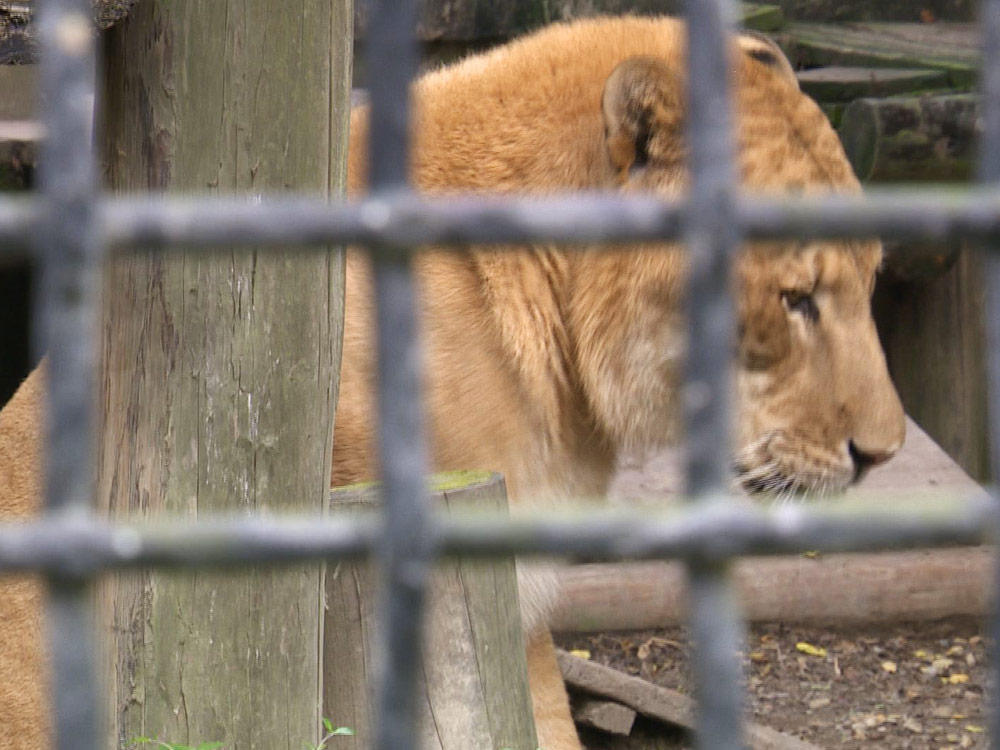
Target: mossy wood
[(838, 83), (883, 10), (951, 47), (488, 21), (474, 693), (220, 369), (915, 138)]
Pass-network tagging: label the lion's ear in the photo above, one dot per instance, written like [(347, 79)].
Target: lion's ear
[(643, 115)]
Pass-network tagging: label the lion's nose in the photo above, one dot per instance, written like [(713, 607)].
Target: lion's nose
[(865, 459)]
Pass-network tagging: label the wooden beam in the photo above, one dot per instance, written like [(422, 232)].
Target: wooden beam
[(610, 717), (830, 589), (952, 47), (839, 83), (474, 693), (659, 703), (220, 369)]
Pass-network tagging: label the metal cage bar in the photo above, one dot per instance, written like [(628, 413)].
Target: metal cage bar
[(404, 220), (404, 547), (713, 532), (989, 175), (69, 245), (712, 236), (72, 223)]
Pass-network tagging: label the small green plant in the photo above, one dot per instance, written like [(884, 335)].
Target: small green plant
[(161, 745), (331, 731)]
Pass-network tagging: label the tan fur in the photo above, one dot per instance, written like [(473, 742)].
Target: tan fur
[(24, 715), (544, 363)]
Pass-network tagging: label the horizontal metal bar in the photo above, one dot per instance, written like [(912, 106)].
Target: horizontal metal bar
[(407, 219), (712, 531)]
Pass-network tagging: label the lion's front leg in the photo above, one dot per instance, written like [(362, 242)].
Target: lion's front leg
[(549, 700)]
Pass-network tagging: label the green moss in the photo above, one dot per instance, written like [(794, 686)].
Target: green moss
[(356, 486), (454, 480), (445, 481)]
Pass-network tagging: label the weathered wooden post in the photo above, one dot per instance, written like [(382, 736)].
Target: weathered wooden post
[(220, 370), (474, 693)]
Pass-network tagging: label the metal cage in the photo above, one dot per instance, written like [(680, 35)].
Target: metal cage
[(69, 225)]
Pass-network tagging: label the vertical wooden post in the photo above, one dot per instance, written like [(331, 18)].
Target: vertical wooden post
[(474, 692), (933, 334), (220, 370)]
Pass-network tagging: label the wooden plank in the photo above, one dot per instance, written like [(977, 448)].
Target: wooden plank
[(659, 703), (220, 370), (610, 717), (933, 334), (951, 47), (474, 693), (838, 83)]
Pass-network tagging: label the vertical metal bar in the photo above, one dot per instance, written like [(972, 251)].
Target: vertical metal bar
[(404, 551), (712, 237), (989, 172), (67, 308)]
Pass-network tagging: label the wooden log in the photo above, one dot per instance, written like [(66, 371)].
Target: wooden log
[(842, 589), (220, 370), (911, 138), (659, 703), (474, 693)]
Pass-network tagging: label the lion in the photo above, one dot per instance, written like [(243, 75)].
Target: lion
[(546, 363)]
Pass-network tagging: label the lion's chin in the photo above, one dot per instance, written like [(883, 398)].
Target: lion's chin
[(777, 468), (766, 484)]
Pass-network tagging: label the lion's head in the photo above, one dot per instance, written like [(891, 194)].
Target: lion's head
[(816, 405)]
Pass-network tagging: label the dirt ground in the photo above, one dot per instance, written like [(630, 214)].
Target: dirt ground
[(911, 685)]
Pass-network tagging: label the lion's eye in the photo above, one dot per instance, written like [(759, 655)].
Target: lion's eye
[(802, 303)]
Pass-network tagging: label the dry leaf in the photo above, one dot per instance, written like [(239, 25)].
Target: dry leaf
[(808, 648), (581, 653), (913, 725), (889, 666)]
